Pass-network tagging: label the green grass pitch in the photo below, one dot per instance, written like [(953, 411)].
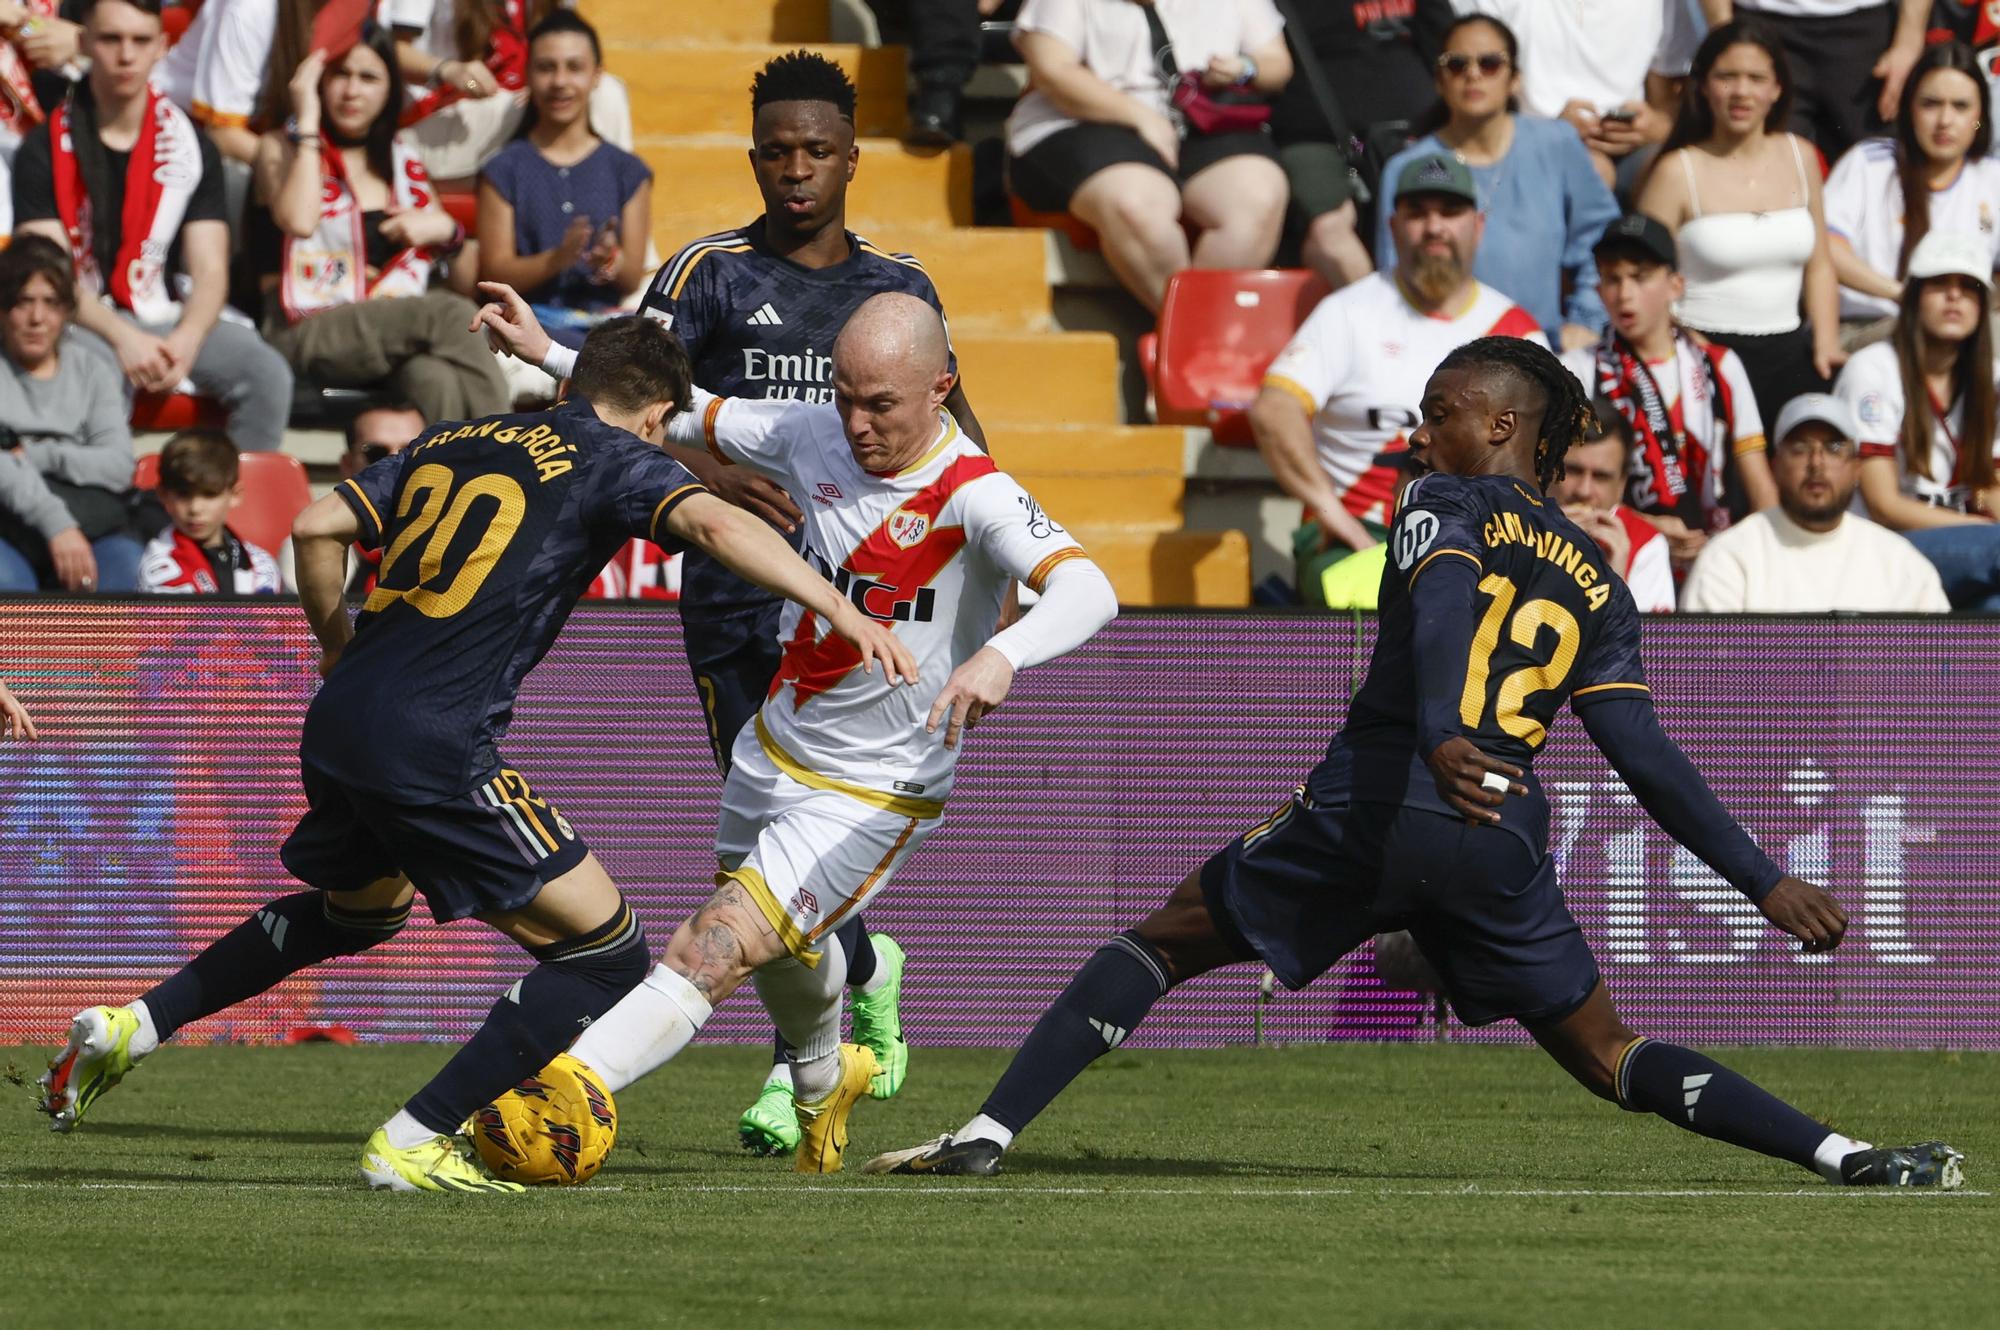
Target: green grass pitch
[(1305, 1186)]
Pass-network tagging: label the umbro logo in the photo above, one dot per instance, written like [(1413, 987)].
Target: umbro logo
[(765, 317), (1113, 1035), (826, 492)]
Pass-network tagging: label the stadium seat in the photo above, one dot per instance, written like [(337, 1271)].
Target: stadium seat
[(175, 19), (174, 411), (464, 209), (1080, 234), (1218, 332), (274, 492)]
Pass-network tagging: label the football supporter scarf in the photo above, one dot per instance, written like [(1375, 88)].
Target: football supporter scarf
[(506, 59), (329, 268), (127, 255), (19, 111), (1672, 466), (177, 563)]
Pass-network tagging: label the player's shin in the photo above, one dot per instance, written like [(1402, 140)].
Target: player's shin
[(1703, 1096), (578, 980), (1106, 1001), (279, 940)]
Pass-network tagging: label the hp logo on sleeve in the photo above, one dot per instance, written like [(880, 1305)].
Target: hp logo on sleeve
[(1414, 534)]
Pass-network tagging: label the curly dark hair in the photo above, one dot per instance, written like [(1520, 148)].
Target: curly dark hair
[(1567, 416), (803, 76)]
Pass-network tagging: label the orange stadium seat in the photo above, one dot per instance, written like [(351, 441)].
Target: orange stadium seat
[(274, 492), (1218, 332), (1080, 233)]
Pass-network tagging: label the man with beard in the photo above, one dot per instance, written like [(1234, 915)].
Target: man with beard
[(1809, 554), (1348, 384)]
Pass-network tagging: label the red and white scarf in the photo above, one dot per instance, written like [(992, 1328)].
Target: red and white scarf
[(160, 179), (329, 268), (1673, 463), (19, 111)]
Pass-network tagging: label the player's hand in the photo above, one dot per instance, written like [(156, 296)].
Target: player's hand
[(755, 494), (1806, 912), (510, 325), (1459, 767), (75, 562), (14, 721), (974, 689), (875, 641)]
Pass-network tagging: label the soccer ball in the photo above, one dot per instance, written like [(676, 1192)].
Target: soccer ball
[(552, 1129)]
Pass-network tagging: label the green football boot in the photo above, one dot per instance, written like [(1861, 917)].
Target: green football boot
[(771, 1125), (878, 1018)]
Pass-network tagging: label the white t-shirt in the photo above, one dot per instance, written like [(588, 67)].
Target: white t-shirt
[(932, 549), (1358, 365), (1599, 51), (1116, 44), (216, 70), (1872, 384), (1649, 569), (1768, 563), (1864, 205), (433, 20)]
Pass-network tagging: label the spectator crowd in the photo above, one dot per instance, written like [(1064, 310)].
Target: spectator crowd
[(1719, 214)]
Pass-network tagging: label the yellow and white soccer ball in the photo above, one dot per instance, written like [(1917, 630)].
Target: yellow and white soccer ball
[(553, 1129)]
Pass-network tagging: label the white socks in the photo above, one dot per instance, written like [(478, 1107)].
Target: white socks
[(1831, 1151), (405, 1132), (983, 1128), (146, 1038), (875, 980), (646, 1029), (781, 1074), (815, 1080)]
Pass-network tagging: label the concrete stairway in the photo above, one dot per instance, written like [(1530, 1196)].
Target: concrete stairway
[(1048, 399)]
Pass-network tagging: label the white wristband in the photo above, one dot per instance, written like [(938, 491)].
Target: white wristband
[(560, 362)]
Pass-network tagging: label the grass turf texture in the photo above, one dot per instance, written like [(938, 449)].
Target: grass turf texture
[(1362, 1185)]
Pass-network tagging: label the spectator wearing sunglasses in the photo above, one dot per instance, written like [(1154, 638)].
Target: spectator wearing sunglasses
[(1544, 204), (382, 430)]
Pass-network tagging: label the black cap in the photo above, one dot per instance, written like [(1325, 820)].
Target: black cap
[(1635, 230)]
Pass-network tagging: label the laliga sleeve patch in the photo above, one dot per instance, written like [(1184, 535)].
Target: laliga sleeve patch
[(1416, 532)]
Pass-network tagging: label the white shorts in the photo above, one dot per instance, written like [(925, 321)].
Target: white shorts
[(808, 849)]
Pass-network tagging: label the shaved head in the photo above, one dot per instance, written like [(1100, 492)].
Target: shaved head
[(891, 374)]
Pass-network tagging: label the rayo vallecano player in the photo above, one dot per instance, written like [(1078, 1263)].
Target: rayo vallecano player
[(758, 309)]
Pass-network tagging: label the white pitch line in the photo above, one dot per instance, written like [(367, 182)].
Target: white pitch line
[(1003, 1191)]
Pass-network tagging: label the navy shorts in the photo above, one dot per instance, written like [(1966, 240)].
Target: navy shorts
[(734, 660), (1313, 882), (490, 849)]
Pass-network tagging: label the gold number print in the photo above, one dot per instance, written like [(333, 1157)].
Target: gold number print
[(1515, 688), (441, 522)]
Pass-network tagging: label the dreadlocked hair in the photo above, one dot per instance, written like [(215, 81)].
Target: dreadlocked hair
[(803, 76), (1568, 418)]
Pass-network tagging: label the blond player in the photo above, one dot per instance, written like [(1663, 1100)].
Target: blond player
[(842, 776)]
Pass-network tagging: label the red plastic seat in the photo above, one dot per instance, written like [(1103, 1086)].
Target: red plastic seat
[(175, 19), (274, 492), (174, 411), (464, 209), (1219, 330), (1080, 233)]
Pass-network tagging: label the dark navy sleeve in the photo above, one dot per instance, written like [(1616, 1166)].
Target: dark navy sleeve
[(637, 488), (372, 496), (683, 295), (1612, 667), (1627, 731), (1439, 519), (1434, 557)]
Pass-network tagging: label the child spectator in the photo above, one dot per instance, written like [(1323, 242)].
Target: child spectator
[(563, 215), (349, 238), (121, 176), (65, 448), (1689, 404), (1925, 405), (1935, 174), (199, 553)]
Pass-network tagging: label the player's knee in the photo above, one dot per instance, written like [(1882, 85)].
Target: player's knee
[(722, 944), (356, 921), (612, 957)]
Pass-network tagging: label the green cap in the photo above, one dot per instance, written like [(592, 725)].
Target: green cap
[(1437, 173)]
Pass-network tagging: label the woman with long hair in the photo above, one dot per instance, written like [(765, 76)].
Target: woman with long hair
[(348, 238), (1886, 194), (1544, 202), (563, 215), (1743, 200), (1926, 401)]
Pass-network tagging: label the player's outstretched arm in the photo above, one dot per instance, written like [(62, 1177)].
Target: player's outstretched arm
[(753, 551), (320, 537), (15, 717), (1076, 601), (512, 327), (1627, 731)]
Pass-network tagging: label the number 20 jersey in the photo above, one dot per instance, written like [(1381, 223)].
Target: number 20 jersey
[(1551, 623), (490, 531)]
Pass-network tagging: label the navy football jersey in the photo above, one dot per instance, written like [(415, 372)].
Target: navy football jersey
[(1551, 623), (758, 325), (490, 531)]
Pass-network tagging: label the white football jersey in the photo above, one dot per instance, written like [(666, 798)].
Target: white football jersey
[(1358, 365), (930, 550)]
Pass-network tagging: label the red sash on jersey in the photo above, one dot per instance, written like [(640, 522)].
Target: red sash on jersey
[(160, 180), (885, 571), (1672, 472)]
